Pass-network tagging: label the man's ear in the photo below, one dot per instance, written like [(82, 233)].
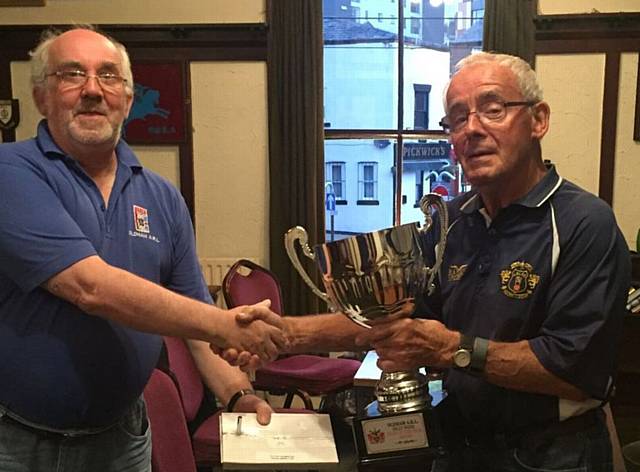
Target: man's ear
[(39, 98), (540, 113)]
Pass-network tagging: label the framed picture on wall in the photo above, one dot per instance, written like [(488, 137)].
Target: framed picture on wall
[(158, 112)]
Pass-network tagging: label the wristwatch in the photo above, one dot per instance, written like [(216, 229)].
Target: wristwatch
[(462, 357), (471, 356)]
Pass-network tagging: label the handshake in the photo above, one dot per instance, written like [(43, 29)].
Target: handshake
[(250, 336)]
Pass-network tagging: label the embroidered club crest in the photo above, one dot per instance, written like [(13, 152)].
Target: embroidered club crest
[(518, 281), (456, 272), (141, 219)]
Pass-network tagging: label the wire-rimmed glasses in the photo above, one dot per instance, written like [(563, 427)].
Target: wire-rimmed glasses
[(492, 111), (75, 78)]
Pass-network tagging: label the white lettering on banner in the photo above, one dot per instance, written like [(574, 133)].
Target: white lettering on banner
[(426, 150)]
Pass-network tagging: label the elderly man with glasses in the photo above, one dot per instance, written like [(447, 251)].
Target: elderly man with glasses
[(530, 299), (97, 253)]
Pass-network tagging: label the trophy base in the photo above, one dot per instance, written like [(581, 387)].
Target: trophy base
[(389, 442)]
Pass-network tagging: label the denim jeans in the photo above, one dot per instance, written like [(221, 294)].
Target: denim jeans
[(587, 450), (126, 447)]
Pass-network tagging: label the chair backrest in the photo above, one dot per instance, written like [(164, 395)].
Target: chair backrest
[(247, 283), (186, 374), (171, 445)]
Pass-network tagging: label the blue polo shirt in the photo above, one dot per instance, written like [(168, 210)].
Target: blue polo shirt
[(61, 368), (551, 268)]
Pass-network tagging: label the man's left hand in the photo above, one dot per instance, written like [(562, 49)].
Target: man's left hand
[(254, 404), (405, 344)]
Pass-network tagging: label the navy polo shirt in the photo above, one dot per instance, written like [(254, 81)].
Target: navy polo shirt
[(59, 367), (551, 268)]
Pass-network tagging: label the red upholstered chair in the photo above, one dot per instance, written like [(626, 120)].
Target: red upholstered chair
[(205, 436), (247, 283), (171, 445)]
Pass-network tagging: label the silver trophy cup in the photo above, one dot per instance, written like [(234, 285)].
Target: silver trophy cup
[(373, 275)]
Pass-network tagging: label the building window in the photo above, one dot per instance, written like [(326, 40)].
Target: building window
[(415, 25), (336, 179), (356, 14), (415, 7), (367, 180), (421, 106)]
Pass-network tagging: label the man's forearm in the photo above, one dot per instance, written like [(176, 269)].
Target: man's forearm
[(221, 378), (106, 291), (322, 333), (515, 366)]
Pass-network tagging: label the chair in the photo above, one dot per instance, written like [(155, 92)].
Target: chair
[(303, 375), (171, 445), (205, 432)]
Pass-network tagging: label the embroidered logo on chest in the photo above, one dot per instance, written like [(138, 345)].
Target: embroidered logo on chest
[(141, 219), (456, 272), (518, 281)]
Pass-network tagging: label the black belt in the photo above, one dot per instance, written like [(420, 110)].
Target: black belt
[(534, 434), (49, 434)]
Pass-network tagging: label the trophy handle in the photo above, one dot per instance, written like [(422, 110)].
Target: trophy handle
[(298, 233), (426, 202)]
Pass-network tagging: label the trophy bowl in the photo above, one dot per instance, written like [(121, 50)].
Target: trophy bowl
[(375, 275)]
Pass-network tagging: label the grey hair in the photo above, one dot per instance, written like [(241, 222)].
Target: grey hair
[(40, 55), (525, 75)]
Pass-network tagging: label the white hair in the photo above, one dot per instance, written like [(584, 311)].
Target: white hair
[(525, 75), (40, 56)]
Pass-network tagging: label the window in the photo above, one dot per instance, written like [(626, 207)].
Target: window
[(477, 15), (367, 181), (383, 86), (356, 14), (421, 106), (415, 25), (336, 179)]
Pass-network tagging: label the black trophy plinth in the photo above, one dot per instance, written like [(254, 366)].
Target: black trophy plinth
[(393, 442)]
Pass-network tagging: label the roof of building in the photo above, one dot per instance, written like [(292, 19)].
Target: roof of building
[(346, 30)]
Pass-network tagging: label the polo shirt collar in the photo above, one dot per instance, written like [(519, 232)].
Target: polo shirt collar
[(536, 197), (51, 149)]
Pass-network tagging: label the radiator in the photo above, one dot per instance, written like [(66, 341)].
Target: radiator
[(215, 268)]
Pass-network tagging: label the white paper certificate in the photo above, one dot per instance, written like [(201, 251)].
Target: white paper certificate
[(290, 438)]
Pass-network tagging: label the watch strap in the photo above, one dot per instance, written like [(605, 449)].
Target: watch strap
[(237, 396), (466, 342), (479, 355)]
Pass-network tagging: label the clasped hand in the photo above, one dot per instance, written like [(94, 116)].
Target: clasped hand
[(406, 343), (252, 332)]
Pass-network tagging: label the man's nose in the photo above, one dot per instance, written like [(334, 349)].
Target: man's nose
[(92, 87), (474, 123)]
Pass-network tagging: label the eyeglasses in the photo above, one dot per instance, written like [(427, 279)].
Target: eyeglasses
[(70, 79), (489, 112)]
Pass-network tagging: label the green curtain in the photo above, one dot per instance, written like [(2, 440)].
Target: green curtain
[(509, 27), (296, 147)]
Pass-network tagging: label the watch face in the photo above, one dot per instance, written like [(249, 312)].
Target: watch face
[(462, 358)]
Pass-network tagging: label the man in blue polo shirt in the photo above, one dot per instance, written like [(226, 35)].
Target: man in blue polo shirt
[(529, 307), (96, 253)]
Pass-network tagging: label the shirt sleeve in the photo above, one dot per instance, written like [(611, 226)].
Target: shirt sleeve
[(38, 238), (577, 341), (186, 275)]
